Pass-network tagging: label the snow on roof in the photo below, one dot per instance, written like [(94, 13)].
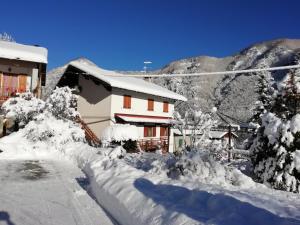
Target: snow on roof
[(128, 83), (12, 50), (219, 134)]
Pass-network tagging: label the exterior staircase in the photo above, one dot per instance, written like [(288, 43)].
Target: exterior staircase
[(90, 136)]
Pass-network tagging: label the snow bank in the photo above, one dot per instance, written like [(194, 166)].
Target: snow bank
[(139, 189)]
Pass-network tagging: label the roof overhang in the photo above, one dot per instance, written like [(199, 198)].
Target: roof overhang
[(15, 51), (129, 118)]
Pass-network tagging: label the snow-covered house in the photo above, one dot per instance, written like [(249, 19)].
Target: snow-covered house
[(106, 98), (223, 135), (22, 68)]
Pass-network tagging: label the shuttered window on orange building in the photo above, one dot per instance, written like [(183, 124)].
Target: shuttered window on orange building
[(150, 105), (166, 107), (149, 131), (127, 102)]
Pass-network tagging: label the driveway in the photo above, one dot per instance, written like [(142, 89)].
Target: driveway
[(46, 192)]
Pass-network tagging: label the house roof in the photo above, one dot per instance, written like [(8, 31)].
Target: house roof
[(219, 134), (12, 50), (128, 83)]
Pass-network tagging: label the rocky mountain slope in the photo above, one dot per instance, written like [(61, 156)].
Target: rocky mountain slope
[(233, 95)]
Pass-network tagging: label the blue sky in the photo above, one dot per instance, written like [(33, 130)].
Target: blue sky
[(122, 34)]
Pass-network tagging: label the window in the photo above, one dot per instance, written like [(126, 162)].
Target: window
[(166, 107), (150, 105), (149, 131), (127, 102), (164, 131)]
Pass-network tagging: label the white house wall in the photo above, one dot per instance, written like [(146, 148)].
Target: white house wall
[(94, 104), (98, 107), (139, 104)]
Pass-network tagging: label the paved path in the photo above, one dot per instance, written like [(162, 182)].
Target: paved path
[(47, 193)]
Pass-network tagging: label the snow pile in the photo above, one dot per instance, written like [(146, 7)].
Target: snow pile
[(275, 153), (120, 132), (23, 108)]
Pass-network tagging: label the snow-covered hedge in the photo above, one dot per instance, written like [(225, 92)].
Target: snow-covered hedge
[(23, 108), (276, 153)]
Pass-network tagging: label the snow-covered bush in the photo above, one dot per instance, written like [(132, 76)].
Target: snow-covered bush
[(119, 133), (218, 149), (48, 128), (276, 151), (23, 108), (124, 134), (193, 166), (62, 103), (196, 123)]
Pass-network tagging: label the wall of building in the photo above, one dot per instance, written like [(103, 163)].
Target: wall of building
[(20, 68), (94, 104), (139, 104)]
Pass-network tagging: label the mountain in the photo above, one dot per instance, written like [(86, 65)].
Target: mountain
[(233, 95)]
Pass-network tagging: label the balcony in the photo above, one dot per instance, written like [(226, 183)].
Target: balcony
[(7, 91), (153, 144)]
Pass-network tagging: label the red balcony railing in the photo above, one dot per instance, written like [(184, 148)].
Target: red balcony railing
[(153, 144), (8, 91)]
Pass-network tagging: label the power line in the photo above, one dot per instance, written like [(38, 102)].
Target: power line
[(209, 73)]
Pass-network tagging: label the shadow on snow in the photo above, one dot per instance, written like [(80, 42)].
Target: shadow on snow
[(4, 216), (209, 208)]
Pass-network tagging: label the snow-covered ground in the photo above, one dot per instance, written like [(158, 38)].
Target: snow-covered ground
[(44, 190), (142, 188), (137, 190)]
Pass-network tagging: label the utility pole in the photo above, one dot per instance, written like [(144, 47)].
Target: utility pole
[(229, 143), (146, 63)]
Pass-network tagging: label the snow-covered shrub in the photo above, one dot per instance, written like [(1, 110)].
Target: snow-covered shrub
[(48, 128), (275, 152), (193, 166), (125, 134), (195, 123), (23, 108), (218, 149), (120, 132), (62, 103)]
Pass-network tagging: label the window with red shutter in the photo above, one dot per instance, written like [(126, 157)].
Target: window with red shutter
[(127, 102), (166, 107), (150, 105)]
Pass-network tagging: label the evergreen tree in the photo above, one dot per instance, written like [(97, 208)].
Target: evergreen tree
[(275, 155), (265, 92)]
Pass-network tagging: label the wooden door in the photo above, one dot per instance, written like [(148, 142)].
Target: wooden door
[(22, 83), (6, 84)]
